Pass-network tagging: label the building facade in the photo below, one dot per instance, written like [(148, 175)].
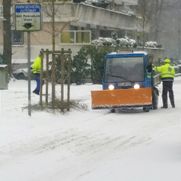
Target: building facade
[(75, 24)]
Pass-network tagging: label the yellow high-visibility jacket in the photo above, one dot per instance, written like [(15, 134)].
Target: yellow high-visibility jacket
[(36, 66), (166, 71)]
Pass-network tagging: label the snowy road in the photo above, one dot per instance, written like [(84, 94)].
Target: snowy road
[(88, 145)]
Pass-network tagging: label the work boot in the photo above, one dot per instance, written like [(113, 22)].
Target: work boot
[(36, 92), (164, 107), (173, 104)]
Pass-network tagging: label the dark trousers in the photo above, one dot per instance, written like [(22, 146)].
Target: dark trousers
[(168, 88), (37, 79)]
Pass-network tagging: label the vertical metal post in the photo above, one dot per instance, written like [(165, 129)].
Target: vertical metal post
[(47, 75), (41, 80), (69, 79), (53, 54), (29, 73), (62, 56)]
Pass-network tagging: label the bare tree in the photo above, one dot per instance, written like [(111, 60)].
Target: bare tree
[(7, 49), (156, 17), (150, 13), (142, 11), (52, 11)]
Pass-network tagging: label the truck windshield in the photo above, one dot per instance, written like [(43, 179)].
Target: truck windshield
[(129, 69)]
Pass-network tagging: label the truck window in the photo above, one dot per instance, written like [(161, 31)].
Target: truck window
[(124, 69)]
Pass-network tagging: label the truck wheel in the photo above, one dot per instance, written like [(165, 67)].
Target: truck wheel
[(146, 109), (112, 110)]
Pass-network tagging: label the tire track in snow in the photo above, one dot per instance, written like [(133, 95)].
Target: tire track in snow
[(77, 142), (88, 142)]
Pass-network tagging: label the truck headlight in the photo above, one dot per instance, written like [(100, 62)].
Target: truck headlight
[(111, 87), (136, 86)]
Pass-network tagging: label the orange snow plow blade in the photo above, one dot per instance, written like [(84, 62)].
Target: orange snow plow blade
[(121, 98)]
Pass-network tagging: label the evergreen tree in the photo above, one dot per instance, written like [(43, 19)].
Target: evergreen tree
[(80, 67)]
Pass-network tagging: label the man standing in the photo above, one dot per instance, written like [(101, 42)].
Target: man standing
[(36, 69), (167, 74)]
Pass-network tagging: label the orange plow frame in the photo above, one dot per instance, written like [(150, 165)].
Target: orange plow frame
[(121, 98)]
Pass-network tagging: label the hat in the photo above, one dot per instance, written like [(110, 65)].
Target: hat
[(167, 60)]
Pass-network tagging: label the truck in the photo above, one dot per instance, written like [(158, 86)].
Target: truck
[(128, 81)]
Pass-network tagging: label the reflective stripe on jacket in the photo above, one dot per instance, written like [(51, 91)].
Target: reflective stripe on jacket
[(166, 71), (36, 66)]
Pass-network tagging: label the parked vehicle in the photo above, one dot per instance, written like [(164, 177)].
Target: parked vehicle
[(177, 66), (128, 82)]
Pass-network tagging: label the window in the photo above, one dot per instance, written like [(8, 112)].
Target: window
[(76, 37), (17, 37), (124, 69)]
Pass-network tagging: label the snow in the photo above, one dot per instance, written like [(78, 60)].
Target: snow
[(87, 145)]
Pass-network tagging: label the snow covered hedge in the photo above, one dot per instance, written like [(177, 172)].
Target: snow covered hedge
[(152, 44), (104, 41), (122, 42)]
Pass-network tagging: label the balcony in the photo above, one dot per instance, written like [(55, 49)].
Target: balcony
[(82, 14)]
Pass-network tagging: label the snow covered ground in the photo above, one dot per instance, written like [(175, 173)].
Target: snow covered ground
[(87, 145)]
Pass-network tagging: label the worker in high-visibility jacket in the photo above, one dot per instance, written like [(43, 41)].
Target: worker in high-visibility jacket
[(36, 69), (167, 74)]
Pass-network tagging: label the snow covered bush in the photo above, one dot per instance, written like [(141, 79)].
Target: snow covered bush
[(126, 42), (123, 42), (152, 44), (120, 42), (104, 41)]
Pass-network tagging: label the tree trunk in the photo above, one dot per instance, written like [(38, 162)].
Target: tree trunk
[(7, 49)]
